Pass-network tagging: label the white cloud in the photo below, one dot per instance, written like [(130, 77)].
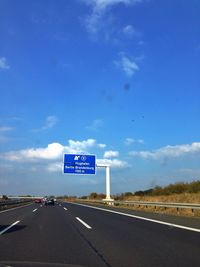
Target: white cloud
[(14, 118), (102, 145), (99, 8), (53, 151), (102, 5), (114, 163), (111, 154), (4, 64), (129, 30), (50, 122), (80, 146), (127, 65), (55, 167), (128, 141), (96, 124), (168, 151), (51, 156), (4, 129)]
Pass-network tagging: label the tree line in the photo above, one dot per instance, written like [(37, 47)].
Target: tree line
[(176, 188)]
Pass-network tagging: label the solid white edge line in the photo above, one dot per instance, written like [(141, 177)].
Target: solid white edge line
[(34, 210), (85, 224), (16, 208), (65, 208), (142, 218), (7, 228)]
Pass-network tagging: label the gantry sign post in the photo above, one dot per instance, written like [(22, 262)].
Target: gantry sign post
[(107, 166), (86, 164)]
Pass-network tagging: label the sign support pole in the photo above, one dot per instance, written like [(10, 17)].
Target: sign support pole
[(108, 198)]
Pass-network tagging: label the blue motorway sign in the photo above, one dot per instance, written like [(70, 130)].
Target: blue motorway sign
[(79, 164)]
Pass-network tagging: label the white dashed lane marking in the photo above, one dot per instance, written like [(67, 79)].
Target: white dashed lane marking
[(84, 223), (7, 228)]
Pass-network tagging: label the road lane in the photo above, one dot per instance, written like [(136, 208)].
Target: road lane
[(140, 217), (50, 235), (185, 221), (126, 241), (6, 218), (54, 234)]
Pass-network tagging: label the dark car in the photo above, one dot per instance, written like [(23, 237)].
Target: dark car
[(50, 202)]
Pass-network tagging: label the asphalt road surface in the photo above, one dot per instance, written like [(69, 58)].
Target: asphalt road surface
[(97, 237)]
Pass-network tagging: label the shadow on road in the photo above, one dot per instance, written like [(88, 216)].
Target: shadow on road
[(12, 229)]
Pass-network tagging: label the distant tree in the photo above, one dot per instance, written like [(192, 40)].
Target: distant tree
[(128, 194), (194, 187), (148, 192), (157, 191), (139, 193), (4, 197), (101, 196), (93, 195), (118, 197), (83, 197)]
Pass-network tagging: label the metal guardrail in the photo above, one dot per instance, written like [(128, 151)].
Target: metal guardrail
[(192, 206), (21, 197), (5, 203)]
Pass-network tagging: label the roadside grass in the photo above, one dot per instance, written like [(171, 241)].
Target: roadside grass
[(7, 207), (179, 198), (176, 198), (162, 210)]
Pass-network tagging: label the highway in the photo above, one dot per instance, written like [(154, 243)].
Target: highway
[(97, 237)]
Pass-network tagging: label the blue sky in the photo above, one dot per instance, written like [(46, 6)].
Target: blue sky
[(115, 78)]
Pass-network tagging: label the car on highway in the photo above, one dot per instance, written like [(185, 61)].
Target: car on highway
[(49, 202), (39, 200)]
